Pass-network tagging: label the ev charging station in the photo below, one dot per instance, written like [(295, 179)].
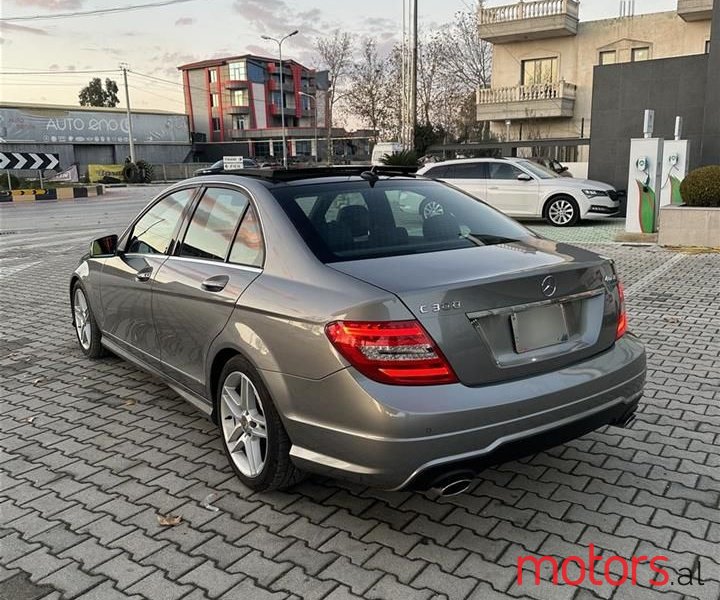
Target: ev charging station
[(644, 180), (675, 166)]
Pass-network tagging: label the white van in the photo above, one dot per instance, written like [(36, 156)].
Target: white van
[(383, 148)]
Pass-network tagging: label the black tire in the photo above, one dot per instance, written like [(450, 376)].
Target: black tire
[(430, 208), (278, 471), (130, 173), (90, 340), (562, 211)]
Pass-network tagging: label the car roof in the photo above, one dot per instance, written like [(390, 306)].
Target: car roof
[(274, 178), (463, 161)]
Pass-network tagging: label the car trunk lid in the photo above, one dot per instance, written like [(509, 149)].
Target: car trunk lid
[(504, 311)]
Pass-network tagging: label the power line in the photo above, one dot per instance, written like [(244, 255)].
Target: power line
[(167, 81), (69, 72), (98, 11)]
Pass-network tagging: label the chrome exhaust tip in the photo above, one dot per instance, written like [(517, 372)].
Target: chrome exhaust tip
[(455, 488), (452, 485)]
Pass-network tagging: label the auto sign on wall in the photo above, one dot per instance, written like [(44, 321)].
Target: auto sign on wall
[(53, 125)]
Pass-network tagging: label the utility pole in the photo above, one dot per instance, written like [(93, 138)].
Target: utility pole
[(413, 92), (125, 67), (409, 73), (282, 90)]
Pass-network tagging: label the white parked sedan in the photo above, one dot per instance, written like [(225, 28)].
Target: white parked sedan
[(524, 189)]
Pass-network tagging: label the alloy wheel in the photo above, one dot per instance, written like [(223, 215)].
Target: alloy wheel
[(243, 424), (561, 212), (82, 319), (432, 209)]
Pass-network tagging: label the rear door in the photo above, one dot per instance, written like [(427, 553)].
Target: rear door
[(195, 290), (128, 278), (469, 177), (509, 194)]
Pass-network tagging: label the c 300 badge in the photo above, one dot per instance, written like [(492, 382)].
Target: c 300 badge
[(440, 307)]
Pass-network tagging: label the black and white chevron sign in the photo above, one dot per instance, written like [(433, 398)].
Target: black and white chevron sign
[(29, 160)]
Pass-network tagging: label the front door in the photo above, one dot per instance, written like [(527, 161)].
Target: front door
[(128, 277), (508, 193), (196, 289)]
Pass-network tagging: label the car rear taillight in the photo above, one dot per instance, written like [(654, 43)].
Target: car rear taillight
[(622, 315), (395, 352)]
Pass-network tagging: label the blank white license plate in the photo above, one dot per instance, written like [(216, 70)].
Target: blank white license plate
[(539, 327)]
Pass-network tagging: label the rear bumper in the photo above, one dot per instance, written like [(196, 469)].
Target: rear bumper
[(394, 437)]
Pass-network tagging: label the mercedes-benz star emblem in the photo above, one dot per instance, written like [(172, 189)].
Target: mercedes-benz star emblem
[(548, 286)]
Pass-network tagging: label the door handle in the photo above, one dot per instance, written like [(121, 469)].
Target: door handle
[(144, 274), (215, 284), (494, 187)]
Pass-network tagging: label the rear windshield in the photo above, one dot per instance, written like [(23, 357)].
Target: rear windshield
[(354, 220)]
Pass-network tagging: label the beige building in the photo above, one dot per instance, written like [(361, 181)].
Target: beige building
[(543, 61)]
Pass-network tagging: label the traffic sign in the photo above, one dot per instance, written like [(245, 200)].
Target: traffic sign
[(232, 163), (29, 160)]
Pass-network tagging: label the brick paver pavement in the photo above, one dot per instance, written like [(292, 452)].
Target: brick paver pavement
[(93, 452)]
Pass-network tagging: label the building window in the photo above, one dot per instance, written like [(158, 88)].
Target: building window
[(539, 70), (640, 54), (238, 71), (212, 75), (305, 101), (303, 147), (608, 57), (275, 98), (707, 47), (214, 99), (216, 124), (239, 121), (239, 97)]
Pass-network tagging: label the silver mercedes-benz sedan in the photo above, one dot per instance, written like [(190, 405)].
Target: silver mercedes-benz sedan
[(327, 326)]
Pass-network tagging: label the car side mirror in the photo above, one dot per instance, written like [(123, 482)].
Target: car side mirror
[(104, 246), (524, 177)]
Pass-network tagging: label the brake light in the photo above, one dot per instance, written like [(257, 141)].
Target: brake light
[(622, 315), (395, 352)]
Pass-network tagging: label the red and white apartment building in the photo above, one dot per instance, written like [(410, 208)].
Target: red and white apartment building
[(239, 99)]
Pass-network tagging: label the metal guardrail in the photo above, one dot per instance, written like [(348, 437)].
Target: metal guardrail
[(177, 171)]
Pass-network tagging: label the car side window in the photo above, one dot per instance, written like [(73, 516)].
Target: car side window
[(500, 170), (213, 224), (469, 171), (437, 172), (153, 232), (248, 247)]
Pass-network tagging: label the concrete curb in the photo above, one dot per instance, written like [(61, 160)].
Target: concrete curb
[(67, 193)]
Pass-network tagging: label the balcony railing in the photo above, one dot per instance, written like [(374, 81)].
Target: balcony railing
[(529, 20), (238, 109), (522, 93), (544, 100), (695, 10)]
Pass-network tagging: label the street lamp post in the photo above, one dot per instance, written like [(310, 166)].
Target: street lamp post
[(317, 153), (279, 42)]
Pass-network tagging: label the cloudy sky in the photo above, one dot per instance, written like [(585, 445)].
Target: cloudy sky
[(154, 41)]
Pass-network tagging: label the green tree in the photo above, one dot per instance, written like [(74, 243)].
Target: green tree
[(93, 94)]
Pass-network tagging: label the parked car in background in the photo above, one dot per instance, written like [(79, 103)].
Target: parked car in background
[(384, 148), (325, 330), (217, 167), (522, 188)]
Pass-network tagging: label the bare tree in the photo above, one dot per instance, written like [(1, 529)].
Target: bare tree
[(369, 96), (335, 55), (468, 57)]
